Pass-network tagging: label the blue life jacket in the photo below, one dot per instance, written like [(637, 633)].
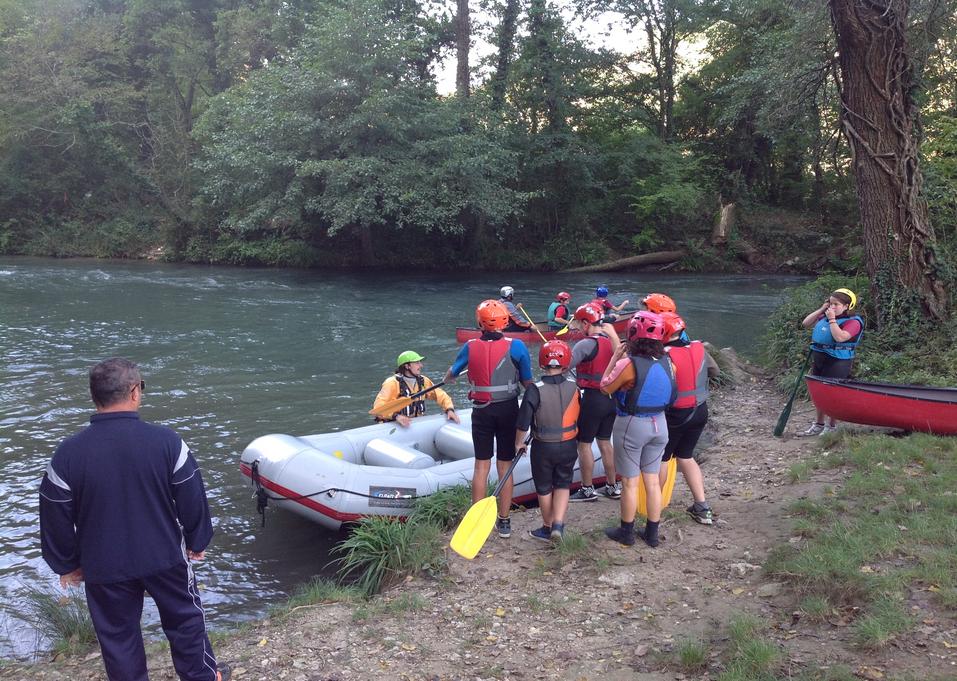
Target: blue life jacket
[(654, 391), (823, 341)]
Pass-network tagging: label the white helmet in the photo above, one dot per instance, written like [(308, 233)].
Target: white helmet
[(507, 292)]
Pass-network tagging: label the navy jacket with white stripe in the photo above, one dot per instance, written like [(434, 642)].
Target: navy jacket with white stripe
[(122, 499)]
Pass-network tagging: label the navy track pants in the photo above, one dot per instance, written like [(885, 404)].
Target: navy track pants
[(116, 609)]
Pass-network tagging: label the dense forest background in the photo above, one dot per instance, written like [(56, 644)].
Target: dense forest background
[(313, 132)]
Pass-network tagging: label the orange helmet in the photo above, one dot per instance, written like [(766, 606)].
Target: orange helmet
[(589, 313), (673, 323), (658, 303), (491, 315), (646, 325), (555, 353)]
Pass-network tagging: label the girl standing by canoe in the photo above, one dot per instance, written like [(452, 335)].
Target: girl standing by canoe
[(836, 333)]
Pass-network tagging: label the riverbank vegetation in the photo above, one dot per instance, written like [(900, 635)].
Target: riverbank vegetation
[(315, 132)]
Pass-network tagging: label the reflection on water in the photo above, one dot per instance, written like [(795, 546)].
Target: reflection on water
[(231, 354)]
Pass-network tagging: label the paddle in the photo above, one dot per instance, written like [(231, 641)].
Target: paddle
[(400, 403), (786, 412), (519, 306), (472, 533)]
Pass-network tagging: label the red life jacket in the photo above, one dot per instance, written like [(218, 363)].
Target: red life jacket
[(492, 374), (556, 419), (691, 374), (589, 372)]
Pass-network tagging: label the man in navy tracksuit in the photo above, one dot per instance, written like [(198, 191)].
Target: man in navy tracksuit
[(123, 508)]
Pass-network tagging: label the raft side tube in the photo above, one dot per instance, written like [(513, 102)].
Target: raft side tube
[(454, 442), (380, 452)]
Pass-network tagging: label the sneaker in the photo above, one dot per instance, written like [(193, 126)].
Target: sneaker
[(223, 672), (815, 429), (827, 429), (701, 513), (558, 532), (544, 533), (612, 491), (504, 527), (584, 494)]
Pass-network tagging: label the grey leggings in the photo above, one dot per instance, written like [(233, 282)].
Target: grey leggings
[(639, 442)]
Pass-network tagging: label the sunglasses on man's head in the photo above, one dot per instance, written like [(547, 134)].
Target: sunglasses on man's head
[(142, 386)]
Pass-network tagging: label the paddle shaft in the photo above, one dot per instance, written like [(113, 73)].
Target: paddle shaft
[(786, 412), (400, 403), (511, 467), (537, 330)]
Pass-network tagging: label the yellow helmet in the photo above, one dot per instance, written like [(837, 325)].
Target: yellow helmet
[(850, 294)]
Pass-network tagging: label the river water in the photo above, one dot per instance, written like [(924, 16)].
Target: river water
[(229, 354)]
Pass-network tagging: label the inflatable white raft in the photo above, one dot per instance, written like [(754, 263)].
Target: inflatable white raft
[(336, 478)]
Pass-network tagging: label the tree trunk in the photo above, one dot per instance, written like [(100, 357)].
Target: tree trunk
[(462, 39), (659, 258), (366, 249), (506, 39), (878, 119)]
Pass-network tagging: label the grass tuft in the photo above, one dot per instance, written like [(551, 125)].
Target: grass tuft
[(443, 508), (62, 620), (692, 655), (319, 590), (816, 608), (752, 657), (381, 550)]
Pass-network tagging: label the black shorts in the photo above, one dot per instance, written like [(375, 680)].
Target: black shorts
[(553, 465), (597, 416), (493, 429), (684, 429), (826, 366)]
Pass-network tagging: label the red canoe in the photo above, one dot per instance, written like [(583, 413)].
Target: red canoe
[(463, 334), (910, 407)]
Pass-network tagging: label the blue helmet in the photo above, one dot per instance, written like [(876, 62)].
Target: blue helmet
[(601, 292)]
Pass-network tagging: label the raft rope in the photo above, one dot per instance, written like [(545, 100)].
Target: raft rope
[(263, 497)]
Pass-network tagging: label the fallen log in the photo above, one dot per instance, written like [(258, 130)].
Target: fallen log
[(659, 258)]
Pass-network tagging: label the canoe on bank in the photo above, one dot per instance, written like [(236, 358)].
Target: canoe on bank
[(910, 407), (335, 478), (463, 334)]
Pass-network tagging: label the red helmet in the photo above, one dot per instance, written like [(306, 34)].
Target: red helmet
[(555, 353), (491, 315), (563, 296), (646, 325), (658, 303), (673, 323), (589, 313)]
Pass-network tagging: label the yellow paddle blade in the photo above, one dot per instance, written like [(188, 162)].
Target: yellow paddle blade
[(391, 407), (669, 487), (666, 490), (562, 331), (472, 533)]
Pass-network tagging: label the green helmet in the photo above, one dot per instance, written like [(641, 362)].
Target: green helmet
[(408, 356)]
